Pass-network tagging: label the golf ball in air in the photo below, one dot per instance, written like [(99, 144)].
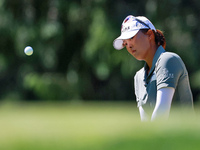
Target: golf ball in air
[(28, 50)]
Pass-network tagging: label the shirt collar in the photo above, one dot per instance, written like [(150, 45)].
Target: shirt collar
[(159, 51)]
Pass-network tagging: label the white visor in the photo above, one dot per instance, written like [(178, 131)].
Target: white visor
[(118, 42)]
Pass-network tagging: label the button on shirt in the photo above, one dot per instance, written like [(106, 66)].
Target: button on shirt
[(168, 70)]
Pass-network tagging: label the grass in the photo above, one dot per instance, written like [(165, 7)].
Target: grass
[(92, 126)]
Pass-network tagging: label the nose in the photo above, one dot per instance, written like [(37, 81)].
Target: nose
[(129, 45)]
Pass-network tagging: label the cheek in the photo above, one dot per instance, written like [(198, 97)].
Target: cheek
[(128, 49), (144, 43)]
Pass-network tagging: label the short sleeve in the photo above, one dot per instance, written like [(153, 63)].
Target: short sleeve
[(168, 70)]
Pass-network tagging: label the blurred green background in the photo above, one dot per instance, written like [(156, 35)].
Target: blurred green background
[(76, 92), (73, 54)]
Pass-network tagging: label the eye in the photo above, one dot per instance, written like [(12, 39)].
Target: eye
[(132, 37), (124, 43)]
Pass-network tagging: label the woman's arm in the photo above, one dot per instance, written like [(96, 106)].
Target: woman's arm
[(163, 103)]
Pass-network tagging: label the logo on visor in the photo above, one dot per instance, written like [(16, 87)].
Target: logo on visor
[(128, 19), (124, 28)]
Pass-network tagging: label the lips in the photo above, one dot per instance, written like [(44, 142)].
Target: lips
[(133, 51)]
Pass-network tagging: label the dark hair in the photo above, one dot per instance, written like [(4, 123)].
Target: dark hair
[(159, 37)]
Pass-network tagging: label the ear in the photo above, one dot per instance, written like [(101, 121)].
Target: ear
[(150, 34)]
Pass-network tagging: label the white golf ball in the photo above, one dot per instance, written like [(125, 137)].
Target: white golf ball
[(28, 50)]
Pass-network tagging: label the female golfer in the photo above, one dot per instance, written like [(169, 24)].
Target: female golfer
[(164, 79)]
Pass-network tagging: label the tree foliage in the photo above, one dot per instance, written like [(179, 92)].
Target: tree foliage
[(73, 54)]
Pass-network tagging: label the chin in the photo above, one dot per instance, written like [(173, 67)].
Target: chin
[(140, 59)]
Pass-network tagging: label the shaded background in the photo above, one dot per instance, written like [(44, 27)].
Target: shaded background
[(74, 59)]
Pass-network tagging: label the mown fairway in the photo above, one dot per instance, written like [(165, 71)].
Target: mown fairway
[(92, 126)]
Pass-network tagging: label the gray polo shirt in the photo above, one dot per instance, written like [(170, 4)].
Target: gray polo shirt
[(168, 70)]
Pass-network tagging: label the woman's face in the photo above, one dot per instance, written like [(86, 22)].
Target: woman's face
[(138, 46)]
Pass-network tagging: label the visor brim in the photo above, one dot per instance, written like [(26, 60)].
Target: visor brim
[(118, 42)]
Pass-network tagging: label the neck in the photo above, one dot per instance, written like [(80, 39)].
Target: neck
[(149, 59)]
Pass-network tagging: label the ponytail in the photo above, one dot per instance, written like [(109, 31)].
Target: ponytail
[(159, 38)]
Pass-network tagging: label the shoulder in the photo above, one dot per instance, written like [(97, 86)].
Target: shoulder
[(169, 55), (169, 58), (170, 62)]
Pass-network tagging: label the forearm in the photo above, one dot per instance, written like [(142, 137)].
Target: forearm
[(163, 104)]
